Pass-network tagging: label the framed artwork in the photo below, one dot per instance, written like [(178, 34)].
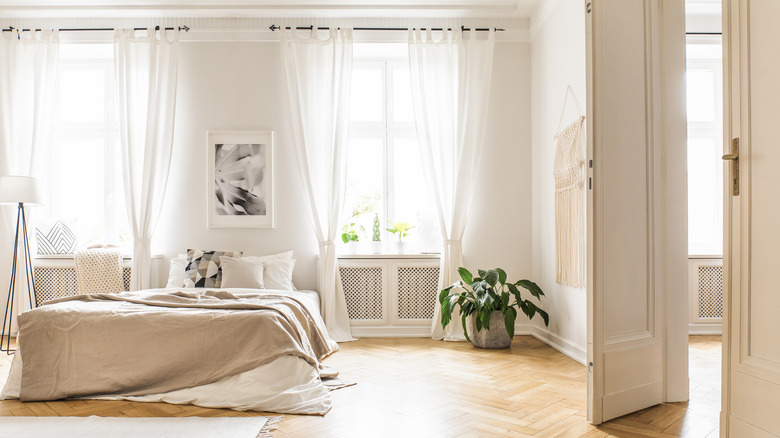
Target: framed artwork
[(240, 179)]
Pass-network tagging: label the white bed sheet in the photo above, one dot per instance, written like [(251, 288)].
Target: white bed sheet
[(287, 385)]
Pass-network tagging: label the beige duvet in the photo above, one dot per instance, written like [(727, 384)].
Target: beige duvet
[(138, 343)]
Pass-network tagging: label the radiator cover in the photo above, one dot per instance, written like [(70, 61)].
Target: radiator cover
[(55, 277), (390, 297), (705, 295)]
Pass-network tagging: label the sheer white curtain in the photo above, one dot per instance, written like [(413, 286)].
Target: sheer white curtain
[(318, 73), (28, 72), (146, 65), (450, 87)]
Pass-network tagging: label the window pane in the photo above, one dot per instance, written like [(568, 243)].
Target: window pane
[(365, 182), (412, 202), (366, 104), (403, 108), (380, 50), (82, 95), (705, 198), (701, 96), (86, 51), (81, 187)]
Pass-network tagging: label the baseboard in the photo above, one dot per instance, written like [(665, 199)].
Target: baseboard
[(567, 348), (392, 332), (705, 329)]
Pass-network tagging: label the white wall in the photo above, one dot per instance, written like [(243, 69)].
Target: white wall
[(239, 85), (558, 60), (498, 233), (232, 86)]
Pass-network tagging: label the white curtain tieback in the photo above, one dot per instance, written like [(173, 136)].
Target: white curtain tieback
[(453, 242)]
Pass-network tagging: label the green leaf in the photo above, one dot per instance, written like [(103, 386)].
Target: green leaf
[(509, 321), (491, 277), (501, 275), (465, 331), (544, 315), (532, 287), (444, 294), (516, 292), (345, 237), (478, 320), (482, 273), (446, 313), (486, 319), (465, 275), (531, 309)]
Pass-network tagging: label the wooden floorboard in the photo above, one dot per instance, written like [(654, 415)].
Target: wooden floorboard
[(414, 387)]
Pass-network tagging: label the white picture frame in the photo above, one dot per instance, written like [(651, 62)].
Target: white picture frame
[(240, 189)]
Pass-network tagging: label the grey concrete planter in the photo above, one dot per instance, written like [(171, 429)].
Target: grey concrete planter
[(495, 337)]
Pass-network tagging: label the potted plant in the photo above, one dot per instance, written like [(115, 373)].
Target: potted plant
[(351, 236), (488, 306), (376, 240), (402, 230)]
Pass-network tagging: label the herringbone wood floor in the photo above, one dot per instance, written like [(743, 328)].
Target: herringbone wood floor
[(422, 388)]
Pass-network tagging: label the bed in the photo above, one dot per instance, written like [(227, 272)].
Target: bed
[(244, 349)]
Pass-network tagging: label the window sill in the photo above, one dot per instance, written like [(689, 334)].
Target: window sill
[(390, 256)]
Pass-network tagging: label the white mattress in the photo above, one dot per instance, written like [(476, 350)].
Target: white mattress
[(287, 385)]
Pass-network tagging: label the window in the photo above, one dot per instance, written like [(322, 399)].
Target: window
[(385, 179), (705, 145), (84, 175)]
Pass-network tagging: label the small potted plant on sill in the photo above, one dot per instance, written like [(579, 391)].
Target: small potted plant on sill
[(488, 306), (376, 240), (351, 236), (402, 230)]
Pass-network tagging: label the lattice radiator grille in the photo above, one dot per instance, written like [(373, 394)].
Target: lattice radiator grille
[(417, 292), (56, 282), (363, 292), (710, 291)]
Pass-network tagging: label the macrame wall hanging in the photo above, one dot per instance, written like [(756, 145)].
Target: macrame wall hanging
[(568, 172)]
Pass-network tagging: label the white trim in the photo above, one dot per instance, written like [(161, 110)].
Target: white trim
[(392, 332), (568, 349), (539, 16), (387, 256), (705, 329)]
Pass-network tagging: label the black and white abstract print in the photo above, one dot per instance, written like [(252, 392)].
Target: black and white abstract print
[(240, 179)]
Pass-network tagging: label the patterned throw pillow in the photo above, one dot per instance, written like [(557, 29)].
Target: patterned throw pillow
[(55, 237), (203, 267)]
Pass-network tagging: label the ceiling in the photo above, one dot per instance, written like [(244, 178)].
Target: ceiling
[(269, 8)]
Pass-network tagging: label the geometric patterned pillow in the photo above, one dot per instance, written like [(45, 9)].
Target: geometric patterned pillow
[(55, 237), (203, 267)]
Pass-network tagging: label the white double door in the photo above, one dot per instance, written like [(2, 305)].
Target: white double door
[(637, 345)]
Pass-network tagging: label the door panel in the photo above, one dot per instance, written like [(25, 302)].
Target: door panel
[(751, 390), (625, 345)]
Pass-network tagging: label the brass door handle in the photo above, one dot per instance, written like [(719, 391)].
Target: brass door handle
[(734, 158)]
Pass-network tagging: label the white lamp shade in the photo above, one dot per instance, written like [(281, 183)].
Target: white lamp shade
[(16, 189)]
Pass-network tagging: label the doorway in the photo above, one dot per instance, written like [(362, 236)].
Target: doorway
[(705, 116)]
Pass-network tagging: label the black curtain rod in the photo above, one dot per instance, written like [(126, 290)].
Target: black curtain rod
[(704, 33), (274, 27), (87, 29)]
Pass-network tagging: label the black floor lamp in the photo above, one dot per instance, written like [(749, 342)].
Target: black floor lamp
[(19, 190)]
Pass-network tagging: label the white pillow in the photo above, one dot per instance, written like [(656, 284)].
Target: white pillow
[(176, 271), (278, 270), (241, 272)]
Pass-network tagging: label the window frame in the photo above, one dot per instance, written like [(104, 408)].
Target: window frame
[(389, 130), (106, 130)]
